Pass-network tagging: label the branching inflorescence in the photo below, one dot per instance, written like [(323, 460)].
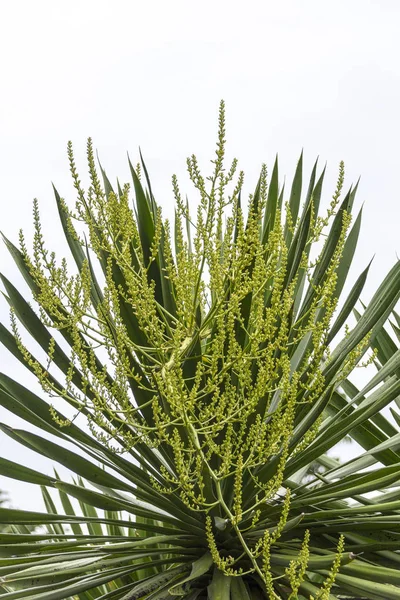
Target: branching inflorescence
[(222, 352)]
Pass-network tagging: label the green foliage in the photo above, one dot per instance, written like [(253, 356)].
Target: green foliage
[(204, 357)]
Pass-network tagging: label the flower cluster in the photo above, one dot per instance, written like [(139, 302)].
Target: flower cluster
[(211, 351)]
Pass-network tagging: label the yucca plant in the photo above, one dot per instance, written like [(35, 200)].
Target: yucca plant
[(209, 363)]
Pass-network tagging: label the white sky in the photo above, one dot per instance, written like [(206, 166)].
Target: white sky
[(324, 76)]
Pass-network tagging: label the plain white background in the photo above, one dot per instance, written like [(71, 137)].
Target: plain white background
[(323, 76)]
